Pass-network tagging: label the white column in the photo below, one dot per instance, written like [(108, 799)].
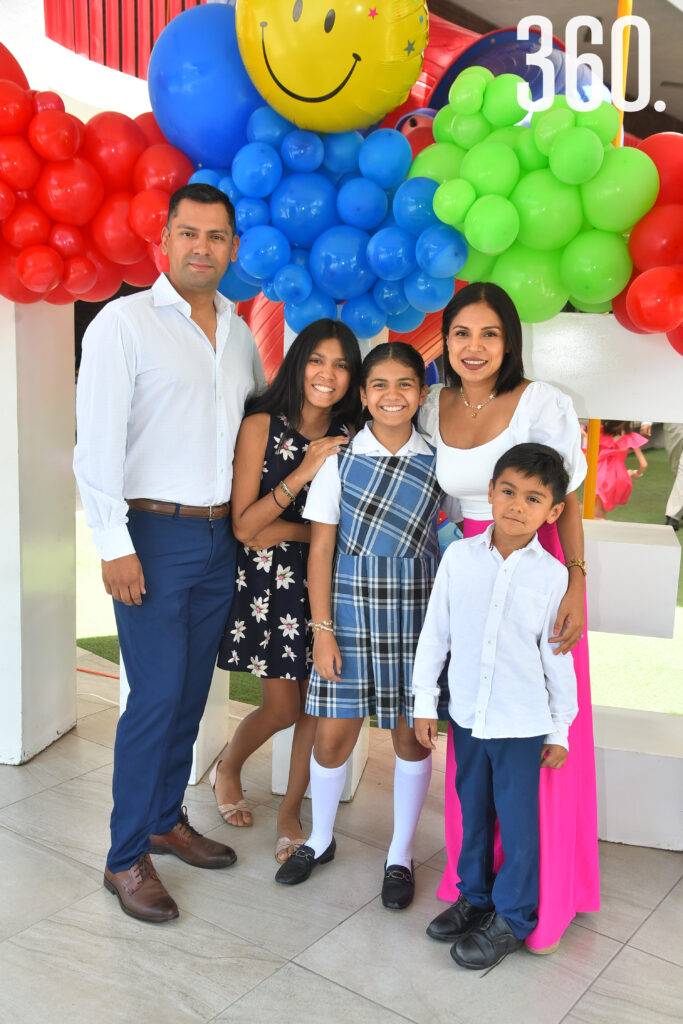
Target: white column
[(38, 553)]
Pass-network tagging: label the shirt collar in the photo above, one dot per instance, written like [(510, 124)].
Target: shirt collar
[(486, 538), (165, 294), (365, 443)]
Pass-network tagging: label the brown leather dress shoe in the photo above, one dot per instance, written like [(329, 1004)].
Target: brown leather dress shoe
[(185, 842), (140, 892)]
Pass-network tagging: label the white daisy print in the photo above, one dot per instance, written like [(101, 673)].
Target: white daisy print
[(264, 559), (283, 577), (288, 652), (283, 545), (239, 631), (234, 658), (266, 638), (257, 666), (259, 608), (241, 579), (289, 625), (287, 448)]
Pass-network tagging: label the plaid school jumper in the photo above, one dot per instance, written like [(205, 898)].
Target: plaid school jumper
[(384, 568)]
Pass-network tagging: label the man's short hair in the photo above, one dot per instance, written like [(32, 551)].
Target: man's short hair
[(200, 192), (539, 460)]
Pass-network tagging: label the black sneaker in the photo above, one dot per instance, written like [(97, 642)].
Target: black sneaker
[(299, 866), (487, 944), (455, 922), (398, 887)]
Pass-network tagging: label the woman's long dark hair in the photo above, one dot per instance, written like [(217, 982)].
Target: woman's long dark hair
[(511, 372), (285, 396), (398, 352)]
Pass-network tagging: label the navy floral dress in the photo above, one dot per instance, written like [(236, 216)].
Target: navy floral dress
[(267, 632)]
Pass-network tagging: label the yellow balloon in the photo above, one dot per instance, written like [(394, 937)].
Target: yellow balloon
[(332, 68)]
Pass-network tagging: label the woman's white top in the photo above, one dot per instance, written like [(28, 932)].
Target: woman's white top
[(544, 414)]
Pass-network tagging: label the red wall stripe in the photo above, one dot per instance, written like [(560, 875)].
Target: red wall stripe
[(96, 8)]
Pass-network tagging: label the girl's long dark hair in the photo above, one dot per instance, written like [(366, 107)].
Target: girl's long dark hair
[(285, 396), (511, 372), (398, 352)]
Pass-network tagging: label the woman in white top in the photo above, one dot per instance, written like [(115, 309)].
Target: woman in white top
[(485, 407)]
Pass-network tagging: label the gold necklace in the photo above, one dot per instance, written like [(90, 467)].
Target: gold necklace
[(476, 408)]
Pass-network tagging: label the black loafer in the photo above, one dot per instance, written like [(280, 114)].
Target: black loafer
[(458, 920), (398, 887), (299, 866), (672, 522), (486, 945)]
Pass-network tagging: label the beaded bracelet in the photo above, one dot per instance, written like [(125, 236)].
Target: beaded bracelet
[(322, 627), (579, 563), (286, 491), (283, 507)]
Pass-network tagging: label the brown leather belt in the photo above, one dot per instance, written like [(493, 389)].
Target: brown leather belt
[(169, 508)]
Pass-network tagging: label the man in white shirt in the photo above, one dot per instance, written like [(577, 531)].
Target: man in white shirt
[(511, 703), (161, 391)]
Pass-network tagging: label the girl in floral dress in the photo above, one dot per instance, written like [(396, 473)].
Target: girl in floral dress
[(286, 435)]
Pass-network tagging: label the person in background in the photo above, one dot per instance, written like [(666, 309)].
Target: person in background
[(673, 441), (614, 482)]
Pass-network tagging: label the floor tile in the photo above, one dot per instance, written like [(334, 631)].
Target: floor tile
[(89, 704), (90, 963), (100, 727), (418, 978), (293, 995), (662, 933), (66, 758), (636, 988), (36, 882), (17, 782), (633, 879)]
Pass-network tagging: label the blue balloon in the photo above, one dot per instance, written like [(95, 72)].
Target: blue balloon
[(231, 190), (266, 125), (363, 316), (341, 151), (233, 287), (250, 212), (412, 204), (317, 306), (338, 263), (263, 250), (391, 253), (302, 151), (362, 203), (256, 169), (300, 257), (200, 93), (390, 296), (432, 374), (385, 157), (253, 282), (293, 284), (302, 207), (441, 251), (268, 289), (407, 321), (426, 293), (205, 176)]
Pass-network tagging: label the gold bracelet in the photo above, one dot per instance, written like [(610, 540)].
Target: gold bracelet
[(579, 563), (283, 507), (286, 491)]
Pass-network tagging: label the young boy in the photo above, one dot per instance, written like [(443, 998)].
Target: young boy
[(493, 607)]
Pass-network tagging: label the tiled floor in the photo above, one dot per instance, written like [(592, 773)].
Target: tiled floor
[(247, 950)]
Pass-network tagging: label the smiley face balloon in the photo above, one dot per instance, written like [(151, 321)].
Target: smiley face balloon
[(332, 65)]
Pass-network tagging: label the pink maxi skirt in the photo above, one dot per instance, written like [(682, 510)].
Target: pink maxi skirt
[(569, 880)]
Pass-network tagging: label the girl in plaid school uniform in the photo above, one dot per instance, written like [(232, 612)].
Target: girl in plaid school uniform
[(372, 562)]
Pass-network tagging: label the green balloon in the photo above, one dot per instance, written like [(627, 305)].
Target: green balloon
[(576, 155), (477, 69), (491, 224), (466, 94), (532, 280), (596, 266), (509, 136), (440, 161), (591, 307), (604, 121), (441, 126), (622, 191), (469, 129), (550, 212), (452, 200), (548, 125), (478, 266), (491, 167), (501, 106), (529, 155)]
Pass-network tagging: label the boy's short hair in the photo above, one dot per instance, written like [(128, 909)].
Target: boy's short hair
[(537, 460)]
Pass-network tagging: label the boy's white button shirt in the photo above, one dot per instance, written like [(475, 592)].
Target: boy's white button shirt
[(495, 616)]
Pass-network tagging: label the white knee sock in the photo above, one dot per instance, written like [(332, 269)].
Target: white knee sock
[(326, 789), (411, 782)]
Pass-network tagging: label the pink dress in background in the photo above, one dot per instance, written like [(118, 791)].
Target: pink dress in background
[(614, 485), (569, 871)]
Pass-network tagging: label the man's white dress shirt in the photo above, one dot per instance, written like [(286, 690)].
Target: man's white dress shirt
[(495, 616), (158, 410)]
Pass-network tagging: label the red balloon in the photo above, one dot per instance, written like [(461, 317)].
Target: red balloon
[(8, 200), (54, 135), (149, 213), (162, 166), (159, 258), (80, 125), (15, 109), (27, 225), (68, 240), (70, 190), (11, 69), (109, 276), (59, 296), (666, 150), (80, 275), (10, 285), (675, 339), (19, 165), (47, 101), (657, 239), (112, 142), (619, 308), (113, 234), (150, 128), (141, 274), (655, 299), (40, 268)]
